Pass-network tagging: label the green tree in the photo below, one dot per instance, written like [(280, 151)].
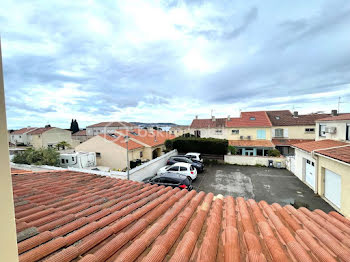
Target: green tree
[(232, 149), (63, 145), (273, 152), (74, 126), (42, 156)]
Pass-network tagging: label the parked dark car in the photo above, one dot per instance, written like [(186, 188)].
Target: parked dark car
[(171, 179), (175, 159)]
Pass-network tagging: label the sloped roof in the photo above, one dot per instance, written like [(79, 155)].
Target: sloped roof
[(289, 142), (286, 118), (339, 153), (39, 131), (65, 216), (120, 141), (336, 118), (246, 120), (144, 136), (321, 144), (80, 133), (112, 124), (208, 123), (23, 130), (251, 143)]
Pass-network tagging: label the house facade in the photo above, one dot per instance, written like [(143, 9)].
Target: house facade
[(108, 127), (20, 137), (291, 128), (80, 136), (179, 130), (111, 149), (335, 127), (49, 137)]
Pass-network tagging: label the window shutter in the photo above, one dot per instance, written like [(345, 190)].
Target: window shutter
[(285, 131)]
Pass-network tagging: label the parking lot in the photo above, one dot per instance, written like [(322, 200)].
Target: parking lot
[(259, 183)]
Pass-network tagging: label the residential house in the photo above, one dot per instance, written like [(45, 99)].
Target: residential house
[(111, 149), (81, 136), (289, 129), (179, 130), (45, 137), (214, 127), (107, 127), (71, 216), (20, 137), (335, 127), (324, 166)]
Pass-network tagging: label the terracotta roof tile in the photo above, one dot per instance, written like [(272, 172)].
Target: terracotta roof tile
[(251, 143), (80, 133), (152, 223), (120, 141), (23, 130), (289, 142), (250, 119), (341, 153), (336, 118), (143, 136), (113, 124), (320, 144), (208, 123), (39, 130), (286, 118)]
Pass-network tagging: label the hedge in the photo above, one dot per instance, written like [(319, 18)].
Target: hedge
[(200, 145)]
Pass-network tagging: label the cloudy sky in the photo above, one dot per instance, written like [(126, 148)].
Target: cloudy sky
[(171, 60)]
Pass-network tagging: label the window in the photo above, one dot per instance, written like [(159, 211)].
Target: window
[(141, 154), (98, 154), (309, 130), (218, 131), (174, 168), (182, 168), (348, 132), (322, 130), (73, 158), (67, 161), (235, 132), (252, 118), (62, 161), (172, 132), (279, 132), (191, 168), (261, 134), (277, 117), (20, 137)]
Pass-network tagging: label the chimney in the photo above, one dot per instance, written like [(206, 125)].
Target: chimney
[(228, 118), (334, 113), (295, 114), (196, 116), (213, 118)]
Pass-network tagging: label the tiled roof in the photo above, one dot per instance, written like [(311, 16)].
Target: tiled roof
[(208, 123), (251, 143), (39, 131), (289, 142), (245, 120), (120, 141), (22, 130), (321, 144), (144, 136), (286, 118), (71, 216), (80, 133), (112, 124), (336, 118), (340, 153)]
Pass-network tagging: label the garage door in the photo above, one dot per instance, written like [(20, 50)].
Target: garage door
[(310, 173), (332, 186)]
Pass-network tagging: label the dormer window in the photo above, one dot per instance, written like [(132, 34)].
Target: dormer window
[(277, 117), (252, 118)]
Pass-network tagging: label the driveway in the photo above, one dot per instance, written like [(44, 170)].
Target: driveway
[(260, 183)]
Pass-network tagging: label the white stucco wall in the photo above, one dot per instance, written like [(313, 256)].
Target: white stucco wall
[(253, 160), (300, 155), (340, 133)]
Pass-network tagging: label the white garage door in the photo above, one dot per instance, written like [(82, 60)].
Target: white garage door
[(310, 173), (332, 188)]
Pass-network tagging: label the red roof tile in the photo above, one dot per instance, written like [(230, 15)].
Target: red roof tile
[(251, 143), (39, 130), (22, 131), (321, 144), (250, 119), (120, 141), (121, 220), (336, 118), (289, 142), (286, 118), (341, 153), (143, 136), (80, 133), (208, 123), (113, 124)]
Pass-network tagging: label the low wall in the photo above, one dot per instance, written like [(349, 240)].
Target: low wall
[(150, 168), (254, 160)]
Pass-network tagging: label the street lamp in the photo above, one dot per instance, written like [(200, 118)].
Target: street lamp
[(127, 156)]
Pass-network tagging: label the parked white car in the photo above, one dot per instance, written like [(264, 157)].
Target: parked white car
[(195, 156), (180, 168)]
